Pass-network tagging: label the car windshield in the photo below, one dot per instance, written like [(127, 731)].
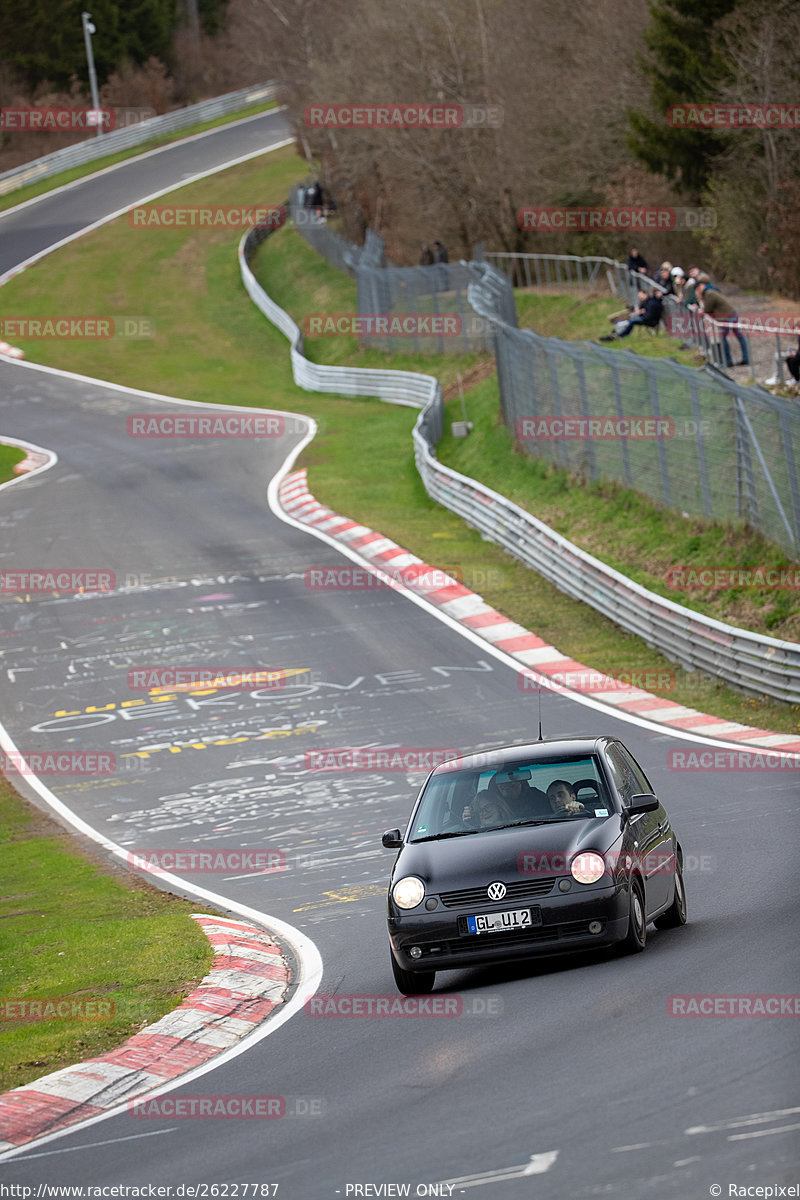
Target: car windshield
[(460, 802)]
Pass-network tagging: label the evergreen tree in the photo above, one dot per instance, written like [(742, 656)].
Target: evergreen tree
[(684, 66), (43, 39)]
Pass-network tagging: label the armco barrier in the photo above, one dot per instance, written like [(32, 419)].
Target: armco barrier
[(759, 665), (132, 135)]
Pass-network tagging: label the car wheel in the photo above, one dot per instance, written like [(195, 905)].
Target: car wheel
[(636, 937), (412, 983), (676, 913)]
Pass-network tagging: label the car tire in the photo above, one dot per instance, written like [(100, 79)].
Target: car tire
[(412, 983), (676, 913), (636, 937)]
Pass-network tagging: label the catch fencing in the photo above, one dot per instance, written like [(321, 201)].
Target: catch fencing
[(133, 135), (574, 274), (725, 452), (440, 291), (758, 665)]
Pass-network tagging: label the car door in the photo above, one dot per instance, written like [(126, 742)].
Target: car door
[(650, 843)]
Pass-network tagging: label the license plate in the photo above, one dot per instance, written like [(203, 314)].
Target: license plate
[(502, 922)]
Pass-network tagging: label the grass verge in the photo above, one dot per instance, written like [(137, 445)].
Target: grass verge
[(30, 190), (212, 344), (579, 318), (9, 457), (77, 929)]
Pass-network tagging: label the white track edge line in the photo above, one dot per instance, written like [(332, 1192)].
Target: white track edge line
[(52, 457), (234, 162), (193, 137)]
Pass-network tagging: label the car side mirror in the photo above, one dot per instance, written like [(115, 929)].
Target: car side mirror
[(392, 839), (643, 802)]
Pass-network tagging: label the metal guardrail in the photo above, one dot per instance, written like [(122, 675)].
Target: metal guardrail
[(758, 665), (132, 135), (569, 272)]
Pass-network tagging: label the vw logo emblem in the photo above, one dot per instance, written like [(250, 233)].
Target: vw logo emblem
[(496, 891)]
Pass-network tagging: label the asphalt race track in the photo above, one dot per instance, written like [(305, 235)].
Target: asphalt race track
[(559, 1079)]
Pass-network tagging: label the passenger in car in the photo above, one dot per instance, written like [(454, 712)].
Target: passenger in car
[(487, 811)]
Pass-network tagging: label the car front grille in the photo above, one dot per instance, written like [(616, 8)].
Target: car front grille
[(472, 897)]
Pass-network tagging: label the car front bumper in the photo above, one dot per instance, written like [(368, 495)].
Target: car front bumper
[(564, 928)]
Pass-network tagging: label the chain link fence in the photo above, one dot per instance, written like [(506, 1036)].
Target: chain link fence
[(430, 305), (756, 664), (571, 273), (692, 440)]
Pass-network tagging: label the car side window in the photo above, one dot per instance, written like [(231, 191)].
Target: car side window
[(642, 783), (622, 773)]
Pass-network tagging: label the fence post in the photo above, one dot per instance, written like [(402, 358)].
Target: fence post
[(589, 451), (626, 454), (663, 466), (747, 503), (702, 463)]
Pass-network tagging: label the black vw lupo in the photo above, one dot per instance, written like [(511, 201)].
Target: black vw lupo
[(556, 846)]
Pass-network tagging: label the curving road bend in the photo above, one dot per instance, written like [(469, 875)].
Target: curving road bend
[(564, 1079)]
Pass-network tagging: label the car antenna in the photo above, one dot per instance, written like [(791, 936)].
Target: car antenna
[(540, 738)]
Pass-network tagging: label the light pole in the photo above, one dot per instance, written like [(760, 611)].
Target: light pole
[(88, 30)]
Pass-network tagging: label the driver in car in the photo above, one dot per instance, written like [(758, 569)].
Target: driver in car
[(563, 798), (522, 800)]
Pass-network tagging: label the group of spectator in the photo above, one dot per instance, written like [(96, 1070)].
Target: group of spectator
[(693, 291), (437, 255)]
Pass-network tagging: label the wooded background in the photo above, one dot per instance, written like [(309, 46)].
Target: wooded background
[(583, 86)]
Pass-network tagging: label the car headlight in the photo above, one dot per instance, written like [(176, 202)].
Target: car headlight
[(408, 892), (587, 867)]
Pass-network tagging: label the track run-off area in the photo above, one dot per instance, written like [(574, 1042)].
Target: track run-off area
[(556, 1078)]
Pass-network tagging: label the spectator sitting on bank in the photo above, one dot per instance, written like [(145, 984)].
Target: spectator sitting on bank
[(718, 306), (426, 257), (793, 364), (636, 263), (792, 360), (649, 313)]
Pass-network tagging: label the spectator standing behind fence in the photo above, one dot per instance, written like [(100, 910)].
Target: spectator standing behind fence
[(426, 257), (664, 278), (718, 306), (678, 283), (439, 253), (636, 263), (688, 298)]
